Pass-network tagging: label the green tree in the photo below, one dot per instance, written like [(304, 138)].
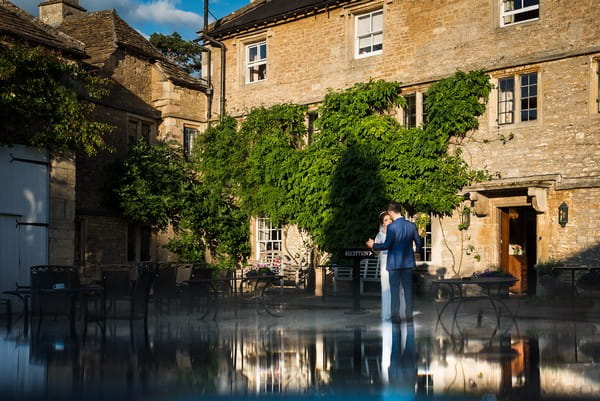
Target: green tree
[(185, 53), (46, 101), (157, 186), (154, 185)]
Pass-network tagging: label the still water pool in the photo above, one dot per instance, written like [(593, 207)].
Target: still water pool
[(302, 355)]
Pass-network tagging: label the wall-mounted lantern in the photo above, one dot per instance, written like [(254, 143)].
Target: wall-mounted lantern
[(563, 214), (465, 218)]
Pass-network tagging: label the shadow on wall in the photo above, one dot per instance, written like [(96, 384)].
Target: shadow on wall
[(357, 191)]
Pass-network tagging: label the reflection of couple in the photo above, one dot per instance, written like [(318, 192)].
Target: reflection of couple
[(398, 356), (396, 263)]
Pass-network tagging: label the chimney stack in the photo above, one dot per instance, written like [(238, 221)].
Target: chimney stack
[(53, 12)]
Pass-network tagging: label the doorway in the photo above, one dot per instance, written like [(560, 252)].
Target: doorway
[(518, 250)]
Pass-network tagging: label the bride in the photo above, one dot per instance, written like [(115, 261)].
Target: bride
[(386, 313)]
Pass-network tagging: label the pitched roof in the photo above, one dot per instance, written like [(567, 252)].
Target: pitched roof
[(262, 12), (178, 76), (103, 32), (17, 23)]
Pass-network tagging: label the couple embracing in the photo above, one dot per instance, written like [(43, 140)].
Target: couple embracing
[(396, 263)]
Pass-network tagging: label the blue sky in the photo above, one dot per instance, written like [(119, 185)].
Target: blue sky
[(149, 16)]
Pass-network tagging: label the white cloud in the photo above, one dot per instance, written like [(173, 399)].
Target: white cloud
[(165, 12)]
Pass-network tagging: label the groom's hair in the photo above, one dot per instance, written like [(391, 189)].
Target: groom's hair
[(395, 207)]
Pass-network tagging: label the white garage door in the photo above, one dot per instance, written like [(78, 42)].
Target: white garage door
[(24, 202)]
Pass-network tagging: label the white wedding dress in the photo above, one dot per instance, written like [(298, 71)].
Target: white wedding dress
[(386, 299)]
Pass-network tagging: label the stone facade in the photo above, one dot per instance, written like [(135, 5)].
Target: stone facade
[(149, 98), (548, 161), (61, 235)]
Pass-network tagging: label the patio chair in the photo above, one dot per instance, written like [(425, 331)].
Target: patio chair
[(119, 287), (165, 290)]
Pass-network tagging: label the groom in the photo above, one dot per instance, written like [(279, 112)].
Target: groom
[(400, 260)]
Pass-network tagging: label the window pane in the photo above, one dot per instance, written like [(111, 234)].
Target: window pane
[(377, 42), (377, 22), (527, 15), (363, 25), (410, 111), (252, 53), (529, 3), (506, 100), (263, 51), (529, 97), (364, 45)]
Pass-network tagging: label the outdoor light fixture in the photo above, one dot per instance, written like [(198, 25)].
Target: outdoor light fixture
[(465, 218), (563, 214)]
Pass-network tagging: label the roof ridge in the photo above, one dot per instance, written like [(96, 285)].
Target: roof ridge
[(75, 45)]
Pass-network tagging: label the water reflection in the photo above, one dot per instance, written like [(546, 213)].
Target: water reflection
[(182, 358)]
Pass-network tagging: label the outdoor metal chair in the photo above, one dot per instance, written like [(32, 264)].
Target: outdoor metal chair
[(118, 286), (165, 289)]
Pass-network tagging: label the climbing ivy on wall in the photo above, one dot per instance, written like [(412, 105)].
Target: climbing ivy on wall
[(359, 158), (46, 101)]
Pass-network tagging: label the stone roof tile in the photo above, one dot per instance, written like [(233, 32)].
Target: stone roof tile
[(178, 76), (19, 24), (103, 32), (262, 12)]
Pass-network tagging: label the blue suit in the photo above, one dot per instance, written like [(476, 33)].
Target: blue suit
[(400, 261)]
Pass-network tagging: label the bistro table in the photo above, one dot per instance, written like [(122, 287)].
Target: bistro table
[(74, 295), (492, 290), (573, 269)]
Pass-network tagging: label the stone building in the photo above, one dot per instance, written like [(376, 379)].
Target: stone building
[(542, 58), (37, 205), (57, 204), (150, 99)]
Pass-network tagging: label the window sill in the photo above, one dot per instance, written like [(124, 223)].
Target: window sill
[(367, 56)]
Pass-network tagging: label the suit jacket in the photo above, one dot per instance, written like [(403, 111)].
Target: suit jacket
[(399, 243)]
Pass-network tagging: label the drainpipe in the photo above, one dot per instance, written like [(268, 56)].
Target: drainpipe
[(221, 45)]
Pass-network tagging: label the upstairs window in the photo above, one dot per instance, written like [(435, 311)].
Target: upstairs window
[(369, 34), (517, 11), (256, 62)]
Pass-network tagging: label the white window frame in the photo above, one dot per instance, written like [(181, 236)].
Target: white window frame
[(371, 34), (506, 101), (511, 13), (420, 115), (267, 236), (517, 99), (256, 63)]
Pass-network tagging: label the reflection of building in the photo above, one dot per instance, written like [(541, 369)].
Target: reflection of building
[(539, 132), (248, 361)]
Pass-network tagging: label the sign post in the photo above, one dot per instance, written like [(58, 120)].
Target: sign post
[(356, 254)]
